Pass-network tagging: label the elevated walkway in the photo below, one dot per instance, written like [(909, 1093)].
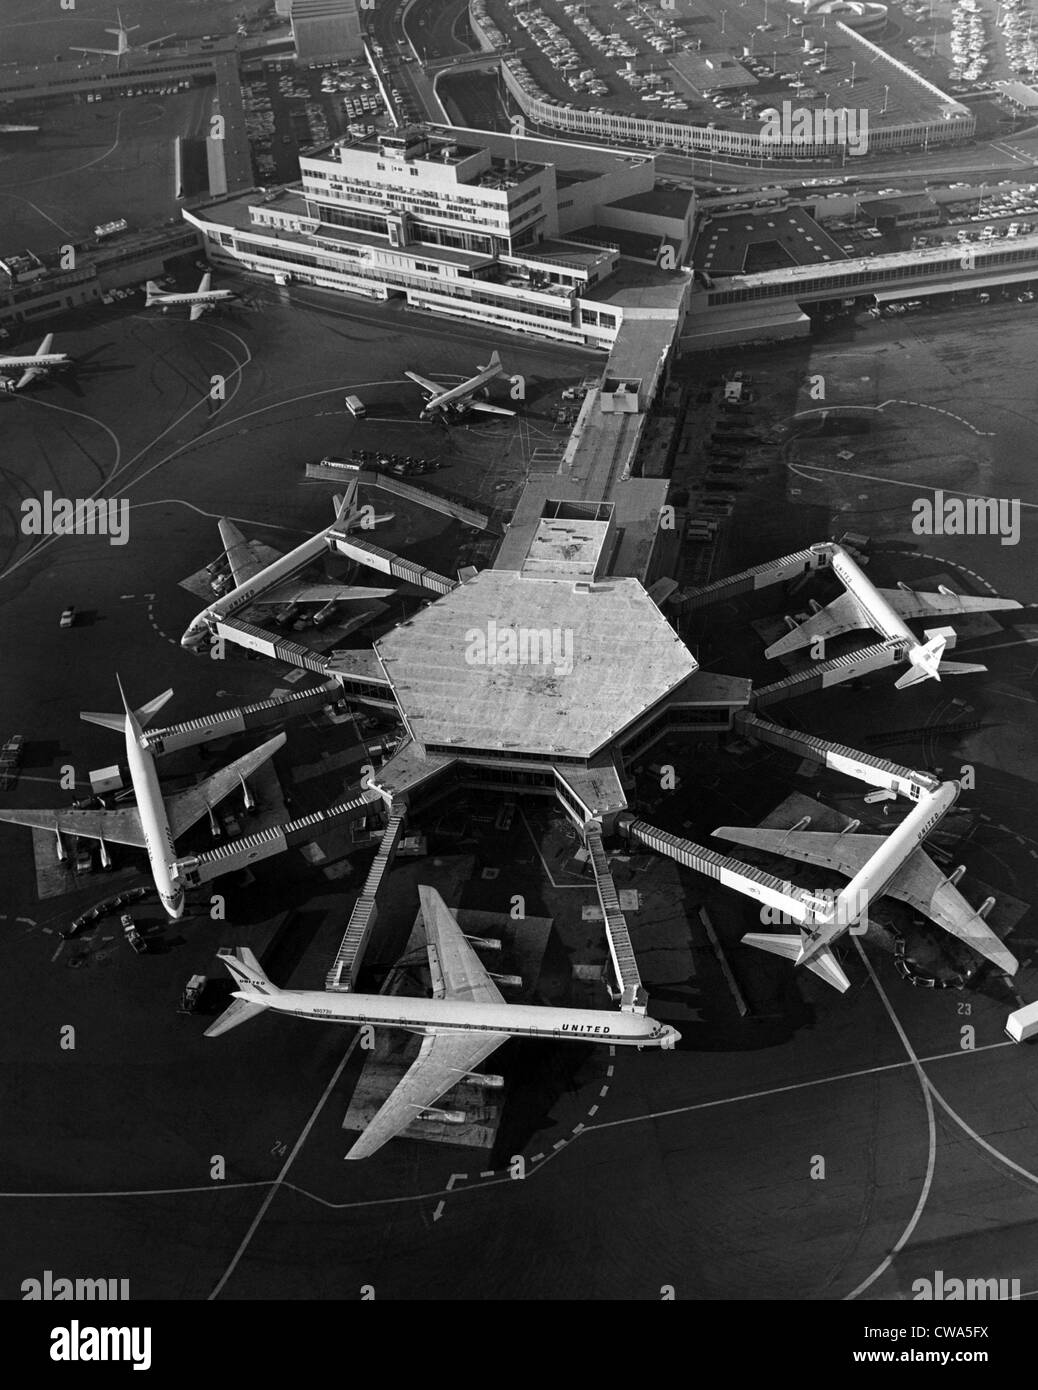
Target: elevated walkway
[(343, 974), (744, 878), (224, 723), (633, 996), (365, 553), (758, 577), (822, 674), (386, 482), (195, 869), (877, 772)]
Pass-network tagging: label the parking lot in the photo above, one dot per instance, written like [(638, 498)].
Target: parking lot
[(720, 66)]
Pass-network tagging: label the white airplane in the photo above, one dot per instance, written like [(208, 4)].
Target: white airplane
[(462, 1024), (40, 363), (459, 400), (262, 575), (895, 864), (123, 44), (202, 301), (156, 821), (863, 605)]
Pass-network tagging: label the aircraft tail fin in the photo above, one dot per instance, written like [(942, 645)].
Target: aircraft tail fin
[(960, 668), (253, 994), (823, 963), (240, 1011), (926, 663), (787, 946), (153, 293), (144, 715)]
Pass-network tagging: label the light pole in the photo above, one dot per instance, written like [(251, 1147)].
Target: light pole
[(886, 96), (724, 16), (853, 67)]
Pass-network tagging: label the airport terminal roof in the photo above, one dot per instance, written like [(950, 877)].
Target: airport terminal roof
[(664, 202), (613, 657), (729, 243)]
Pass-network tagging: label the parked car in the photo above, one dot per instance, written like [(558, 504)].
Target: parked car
[(68, 616)]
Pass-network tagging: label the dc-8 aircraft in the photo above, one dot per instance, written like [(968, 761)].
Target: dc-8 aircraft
[(156, 821), (885, 610), (462, 1024), (894, 864), (263, 575)]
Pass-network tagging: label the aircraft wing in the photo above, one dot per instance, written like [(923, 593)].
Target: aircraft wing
[(914, 604), (435, 388), (299, 591), (842, 615), (185, 808), (30, 374), (241, 557), (826, 849), (441, 1064), (263, 553), (489, 409), (922, 885), (457, 972), (122, 827), (197, 310), (919, 882)]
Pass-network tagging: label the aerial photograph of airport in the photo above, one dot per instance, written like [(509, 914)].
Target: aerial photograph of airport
[(519, 699)]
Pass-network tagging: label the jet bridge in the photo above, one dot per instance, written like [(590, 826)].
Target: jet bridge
[(733, 873), (877, 772), (633, 996), (778, 571), (225, 723), (822, 674), (194, 869), (375, 557), (343, 974)]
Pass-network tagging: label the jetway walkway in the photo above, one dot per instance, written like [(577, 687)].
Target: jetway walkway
[(877, 772), (633, 996), (750, 882), (196, 869), (224, 723), (822, 674), (388, 482), (778, 571), (342, 976), (365, 553)]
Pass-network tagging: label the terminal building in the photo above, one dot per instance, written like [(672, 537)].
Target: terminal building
[(456, 228)]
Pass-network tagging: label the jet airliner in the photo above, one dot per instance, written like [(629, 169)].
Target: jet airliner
[(262, 575), (885, 610), (894, 864), (156, 821), (461, 1025)]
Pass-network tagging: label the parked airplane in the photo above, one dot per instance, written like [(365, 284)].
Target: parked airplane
[(462, 1024), (40, 363), (202, 301), (262, 575), (124, 46), (894, 864), (863, 605), (156, 821), (459, 400)]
